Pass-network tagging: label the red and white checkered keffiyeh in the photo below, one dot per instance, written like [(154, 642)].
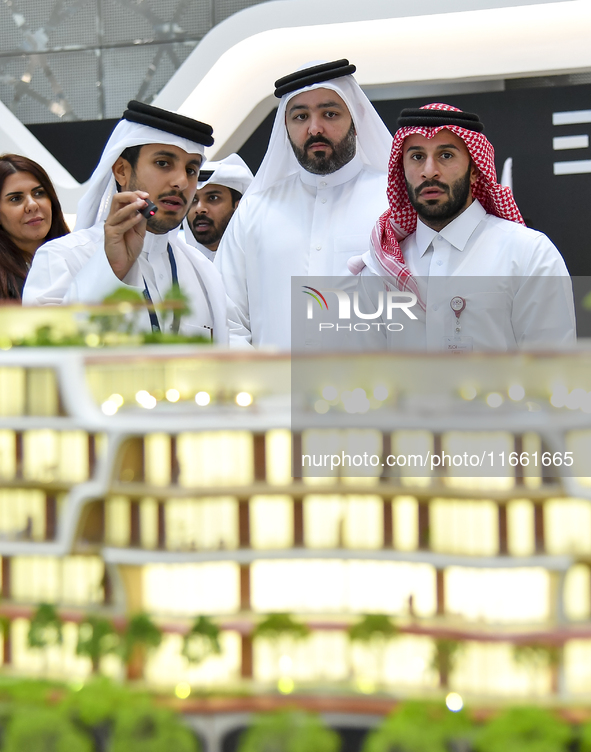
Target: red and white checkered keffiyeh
[(400, 219)]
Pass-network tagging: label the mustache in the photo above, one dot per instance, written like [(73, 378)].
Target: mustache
[(319, 139), (176, 194), (431, 184), (202, 219)]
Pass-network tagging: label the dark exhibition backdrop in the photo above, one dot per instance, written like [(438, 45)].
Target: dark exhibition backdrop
[(518, 123)]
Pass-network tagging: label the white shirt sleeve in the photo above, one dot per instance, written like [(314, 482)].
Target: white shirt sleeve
[(97, 279), (45, 284), (543, 307), (54, 266), (74, 269)]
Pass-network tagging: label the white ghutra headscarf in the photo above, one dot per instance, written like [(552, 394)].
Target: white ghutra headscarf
[(231, 172), (94, 206), (373, 138)]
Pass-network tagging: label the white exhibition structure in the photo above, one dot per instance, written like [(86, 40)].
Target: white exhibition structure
[(400, 50)]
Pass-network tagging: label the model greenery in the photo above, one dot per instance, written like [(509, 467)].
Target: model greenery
[(275, 626), (372, 627), (289, 732), (45, 628), (102, 716), (444, 659), (105, 716), (149, 729), (202, 641), (96, 638), (419, 727), (140, 636), (119, 320), (44, 730), (539, 658), (95, 706), (373, 632), (524, 730)]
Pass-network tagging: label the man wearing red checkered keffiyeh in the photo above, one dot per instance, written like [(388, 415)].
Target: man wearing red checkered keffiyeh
[(401, 218), (449, 217)]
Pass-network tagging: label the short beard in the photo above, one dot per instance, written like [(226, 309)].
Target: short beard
[(320, 163), (159, 223), (442, 214), (214, 234)]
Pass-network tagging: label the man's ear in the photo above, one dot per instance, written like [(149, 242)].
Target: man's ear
[(474, 174), (122, 171)]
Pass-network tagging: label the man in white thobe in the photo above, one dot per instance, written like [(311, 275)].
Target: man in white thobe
[(152, 155), (312, 203), (455, 238), (219, 191)]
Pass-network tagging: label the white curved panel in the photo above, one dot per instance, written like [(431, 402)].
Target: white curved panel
[(16, 138), (228, 79), (228, 82)]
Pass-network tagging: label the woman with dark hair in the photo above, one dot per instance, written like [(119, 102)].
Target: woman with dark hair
[(30, 214)]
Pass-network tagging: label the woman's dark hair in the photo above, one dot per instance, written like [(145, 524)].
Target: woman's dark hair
[(13, 261)]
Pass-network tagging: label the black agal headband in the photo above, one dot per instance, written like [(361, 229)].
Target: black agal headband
[(314, 75), (170, 122), (425, 118)]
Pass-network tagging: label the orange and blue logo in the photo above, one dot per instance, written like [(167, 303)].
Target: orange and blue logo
[(317, 295)]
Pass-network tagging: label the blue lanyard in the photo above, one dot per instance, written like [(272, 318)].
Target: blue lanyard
[(176, 320)]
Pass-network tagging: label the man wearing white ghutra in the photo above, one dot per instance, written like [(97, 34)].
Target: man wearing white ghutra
[(311, 203), (152, 156)]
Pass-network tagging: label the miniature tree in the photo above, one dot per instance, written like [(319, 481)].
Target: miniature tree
[(44, 730), (126, 304), (538, 658), (445, 655), (585, 738), (176, 303), (140, 636), (279, 625), (5, 625), (144, 728), (95, 706), (278, 629), (288, 731), (419, 727), (202, 641), (374, 631), (525, 730), (96, 638), (45, 630)]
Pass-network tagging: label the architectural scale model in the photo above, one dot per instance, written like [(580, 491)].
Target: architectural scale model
[(159, 480)]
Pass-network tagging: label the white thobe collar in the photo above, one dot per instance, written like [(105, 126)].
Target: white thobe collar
[(346, 173), (154, 253), (205, 250), (457, 233), (156, 245)]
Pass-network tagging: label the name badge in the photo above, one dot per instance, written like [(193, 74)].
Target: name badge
[(457, 345)]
